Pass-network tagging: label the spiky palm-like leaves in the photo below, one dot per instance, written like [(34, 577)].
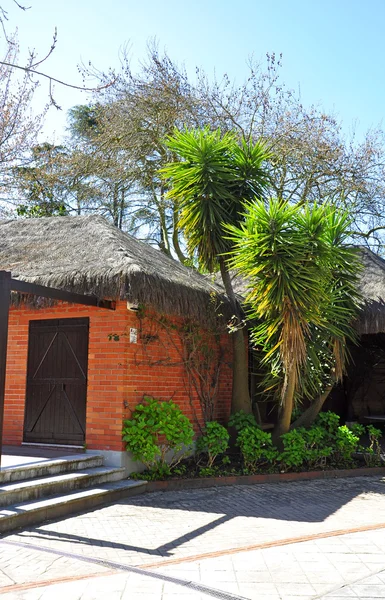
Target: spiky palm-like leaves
[(303, 296), (212, 178)]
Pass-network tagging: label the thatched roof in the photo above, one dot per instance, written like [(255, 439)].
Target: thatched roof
[(372, 287), (88, 255)]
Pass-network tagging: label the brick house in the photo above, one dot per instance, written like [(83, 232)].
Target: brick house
[(74, 372)]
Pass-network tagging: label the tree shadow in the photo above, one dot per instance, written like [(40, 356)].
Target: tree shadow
[(311, 501), (301, 501), (164, 550)]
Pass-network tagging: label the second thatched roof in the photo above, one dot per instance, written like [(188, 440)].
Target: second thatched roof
[(372, 287), (88, 255), (371, 284)]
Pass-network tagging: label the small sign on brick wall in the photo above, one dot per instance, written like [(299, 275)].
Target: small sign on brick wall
[(133, 335)]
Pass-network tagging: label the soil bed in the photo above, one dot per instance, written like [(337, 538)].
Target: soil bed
[(204, 482)]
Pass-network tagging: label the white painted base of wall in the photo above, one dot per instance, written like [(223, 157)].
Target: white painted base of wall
[(114, 458)]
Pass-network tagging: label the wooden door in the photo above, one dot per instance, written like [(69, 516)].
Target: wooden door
[(55, 408)]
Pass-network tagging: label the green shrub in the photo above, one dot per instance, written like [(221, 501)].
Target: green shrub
[(240, 420), (357, 429), (374, 435), (214, 441), (306, 448), (294, 452), (329, 421), (208, 471), (372, 454), (319, 447), (346, 444), (256, 448), (155, 431)]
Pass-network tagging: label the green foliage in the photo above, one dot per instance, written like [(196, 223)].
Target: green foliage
[(156, 435), (373, 454), (325, 444), (305, 448), (214, 441), (358, 429), (346, 444), (240, 420), (329, 421), (180, 470), (208, 471), (44, 193), (256, 448), (374, 433), (302, 292), (211, 179), (85, 121)]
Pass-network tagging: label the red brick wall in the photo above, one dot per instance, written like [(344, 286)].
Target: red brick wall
[(120, 373), (155, 368)]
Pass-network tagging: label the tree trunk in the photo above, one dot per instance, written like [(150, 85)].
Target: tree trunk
[(284, 417), (121, 209), (115, 205), (309, 415), (175, 237), (240, 397), (164, 243)]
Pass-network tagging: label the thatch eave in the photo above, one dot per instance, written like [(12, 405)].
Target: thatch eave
[(87, 255)]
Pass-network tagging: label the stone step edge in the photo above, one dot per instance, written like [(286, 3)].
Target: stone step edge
[(33, 513), (65, 483), (47, 481), (29, 471)]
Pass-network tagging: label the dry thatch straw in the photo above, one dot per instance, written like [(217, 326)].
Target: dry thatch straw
[(371, 283), (88, 255), (372, 288)]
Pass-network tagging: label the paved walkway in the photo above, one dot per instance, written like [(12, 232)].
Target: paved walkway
[(234, 542)]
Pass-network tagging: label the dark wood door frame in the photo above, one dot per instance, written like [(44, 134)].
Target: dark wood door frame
[(7, 285), (55, 407)]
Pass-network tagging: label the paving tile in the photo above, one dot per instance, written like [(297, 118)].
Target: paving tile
[(368, 591), (373, 558), (249, 577), (259, 588), (155, 527), (339, 597), (252, 593), (295, 589)]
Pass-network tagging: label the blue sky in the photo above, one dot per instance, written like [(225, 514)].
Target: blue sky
[(333, 50)]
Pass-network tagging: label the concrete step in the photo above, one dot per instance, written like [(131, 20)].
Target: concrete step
[(33, 513), (50, 467), (24, 491)]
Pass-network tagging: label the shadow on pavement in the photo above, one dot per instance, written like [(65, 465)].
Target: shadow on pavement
[(304, 501), (163, 550)]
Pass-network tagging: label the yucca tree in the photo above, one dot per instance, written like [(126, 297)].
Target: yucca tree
[(302, 295), (213, 176)]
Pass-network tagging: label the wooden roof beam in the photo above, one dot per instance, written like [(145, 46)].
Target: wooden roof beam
[(25, 287)]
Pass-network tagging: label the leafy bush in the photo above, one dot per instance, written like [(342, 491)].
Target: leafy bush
[(346, 443), (329, 421), (357, 429), (256, 448), (305, 448), (240, 420), (208, 471), (156, 431), (214, 441), (373, 453)]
